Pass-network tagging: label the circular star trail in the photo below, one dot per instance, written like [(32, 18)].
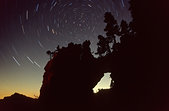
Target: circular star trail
[(31, 27)]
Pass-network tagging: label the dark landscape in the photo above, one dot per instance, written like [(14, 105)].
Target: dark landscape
[(139, 82)]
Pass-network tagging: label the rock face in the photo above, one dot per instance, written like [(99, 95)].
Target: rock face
[(70, 76)]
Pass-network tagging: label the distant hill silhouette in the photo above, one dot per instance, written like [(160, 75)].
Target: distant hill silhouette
[(18, 102)]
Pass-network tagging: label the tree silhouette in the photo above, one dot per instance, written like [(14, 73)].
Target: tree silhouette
[(103, 45), (58, 48), (49, 53), (112, 28), (124, 28)]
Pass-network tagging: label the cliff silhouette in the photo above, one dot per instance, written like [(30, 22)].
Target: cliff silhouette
[(134, 63), (71, 75), (73, 71)]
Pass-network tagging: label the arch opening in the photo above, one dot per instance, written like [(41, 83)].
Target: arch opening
[(104, 83)]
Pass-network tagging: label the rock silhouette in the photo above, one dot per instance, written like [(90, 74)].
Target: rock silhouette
[(18, 102), (70, 77), (72, 71)]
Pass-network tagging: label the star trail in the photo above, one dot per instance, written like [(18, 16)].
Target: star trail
[(31, 27)]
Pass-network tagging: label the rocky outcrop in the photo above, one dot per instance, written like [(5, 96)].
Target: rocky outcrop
[(70, 76)]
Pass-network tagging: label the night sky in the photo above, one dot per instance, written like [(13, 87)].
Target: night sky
[(28, 28)]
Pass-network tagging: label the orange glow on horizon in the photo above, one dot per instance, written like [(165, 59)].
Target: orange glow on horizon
[(6, 94)]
